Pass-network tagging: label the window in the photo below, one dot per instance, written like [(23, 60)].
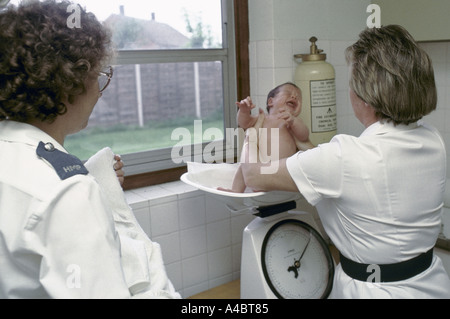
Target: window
[(175, 68)]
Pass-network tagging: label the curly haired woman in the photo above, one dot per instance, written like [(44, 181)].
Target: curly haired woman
[(57, 234)]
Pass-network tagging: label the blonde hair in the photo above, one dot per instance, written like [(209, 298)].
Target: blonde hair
[(391, 73)]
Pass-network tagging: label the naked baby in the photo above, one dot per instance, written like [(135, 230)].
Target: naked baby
[(284, 104)]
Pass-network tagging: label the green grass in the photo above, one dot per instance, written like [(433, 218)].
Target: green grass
[(129, 139)]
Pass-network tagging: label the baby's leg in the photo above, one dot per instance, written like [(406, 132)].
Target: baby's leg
[(238, 182), (248, 154), (238, 185)]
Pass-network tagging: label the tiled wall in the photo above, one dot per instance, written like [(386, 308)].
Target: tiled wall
[(200, 239), (439, 52), (281, 29)]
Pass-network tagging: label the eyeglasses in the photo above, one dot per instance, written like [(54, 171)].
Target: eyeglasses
[(104, 78)]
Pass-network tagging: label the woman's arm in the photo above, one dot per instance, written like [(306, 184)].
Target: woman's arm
[(256, 178)]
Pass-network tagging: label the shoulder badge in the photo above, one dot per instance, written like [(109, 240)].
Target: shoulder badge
[(66, 165)]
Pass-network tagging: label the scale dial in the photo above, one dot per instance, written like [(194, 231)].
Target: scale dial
[(296, 261)]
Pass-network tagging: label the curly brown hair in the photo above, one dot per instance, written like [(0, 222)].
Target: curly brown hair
[(43, 60)]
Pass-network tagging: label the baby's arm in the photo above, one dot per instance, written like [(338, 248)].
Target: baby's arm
[(244, 116)]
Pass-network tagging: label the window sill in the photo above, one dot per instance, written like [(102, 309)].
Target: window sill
[(153, 178)]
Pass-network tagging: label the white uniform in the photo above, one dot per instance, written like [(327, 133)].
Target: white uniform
[(57, 236), (379, 198)]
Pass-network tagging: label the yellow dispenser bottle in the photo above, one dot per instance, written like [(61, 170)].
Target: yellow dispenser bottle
[(316, 79)]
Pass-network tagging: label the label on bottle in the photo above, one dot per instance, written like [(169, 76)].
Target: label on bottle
[(323, 106)]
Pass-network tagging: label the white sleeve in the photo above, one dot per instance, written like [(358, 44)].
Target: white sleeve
[(80, 251), (142, 260), (318, 172)]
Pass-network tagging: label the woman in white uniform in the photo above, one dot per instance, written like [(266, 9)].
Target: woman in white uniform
[(379, 196), (57, 235)]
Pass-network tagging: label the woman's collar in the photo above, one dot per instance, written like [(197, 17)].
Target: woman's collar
[(384, 127)]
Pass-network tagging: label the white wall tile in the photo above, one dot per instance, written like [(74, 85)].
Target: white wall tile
[(265, 54), (236, 253), (218, 234), (440, 118), (135, 201), (175, 275), (143, 217), (192, 212), (266, 81), (195, 270), (155, 194), (220, 263), (238, 224), (215, 209), (170, 247), (283, 55), (436, 50), (448, 52), (336, 55), (193, 242), (164, 218), (282, 75)]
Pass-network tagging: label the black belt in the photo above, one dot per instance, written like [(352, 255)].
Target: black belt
[(388, 272)]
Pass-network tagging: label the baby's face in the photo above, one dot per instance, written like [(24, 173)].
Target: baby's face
[(288, 99)]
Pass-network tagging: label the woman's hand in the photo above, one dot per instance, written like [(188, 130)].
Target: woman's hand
[(288, 118), (118, 165)]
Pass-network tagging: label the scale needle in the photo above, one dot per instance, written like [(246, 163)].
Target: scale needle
[(297, 263), (307, 244)]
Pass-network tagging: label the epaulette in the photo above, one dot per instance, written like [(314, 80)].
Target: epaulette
[(66, 165)]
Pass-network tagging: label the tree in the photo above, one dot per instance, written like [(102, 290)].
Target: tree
[(201, 36)]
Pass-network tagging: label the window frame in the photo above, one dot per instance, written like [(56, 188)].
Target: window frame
[(155, 166)]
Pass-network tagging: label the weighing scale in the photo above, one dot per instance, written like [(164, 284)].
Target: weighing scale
[(284, 257), (283, 254)]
